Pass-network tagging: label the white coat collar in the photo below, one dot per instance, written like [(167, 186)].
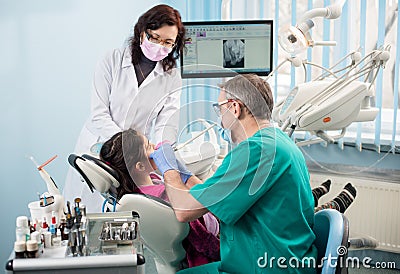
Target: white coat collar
[(127, 61)]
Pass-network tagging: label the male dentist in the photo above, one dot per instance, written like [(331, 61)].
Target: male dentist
[(260, 193)]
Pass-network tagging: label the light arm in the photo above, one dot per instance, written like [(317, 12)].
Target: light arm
[(330, 12)]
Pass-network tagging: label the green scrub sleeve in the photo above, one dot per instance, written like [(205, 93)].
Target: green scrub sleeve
[(238, 183)]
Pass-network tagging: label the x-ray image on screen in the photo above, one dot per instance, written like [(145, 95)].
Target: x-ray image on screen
[(233, 51), (226, 48)]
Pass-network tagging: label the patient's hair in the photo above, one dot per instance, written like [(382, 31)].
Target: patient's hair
[(122, 151)]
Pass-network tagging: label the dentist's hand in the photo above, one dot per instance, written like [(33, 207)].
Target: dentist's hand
[(181, 167), (164, 158), (185, 173)]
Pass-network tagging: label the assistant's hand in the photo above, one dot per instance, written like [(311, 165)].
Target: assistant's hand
[(164, 158), (185, 173)]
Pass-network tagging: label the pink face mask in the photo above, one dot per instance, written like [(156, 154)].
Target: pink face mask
[(154, 52)]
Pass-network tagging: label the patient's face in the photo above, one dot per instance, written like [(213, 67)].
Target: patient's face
[(149, 149)]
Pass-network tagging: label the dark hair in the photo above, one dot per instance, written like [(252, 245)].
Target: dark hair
[(155, 18), (122, 151)]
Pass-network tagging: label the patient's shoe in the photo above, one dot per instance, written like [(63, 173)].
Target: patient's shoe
[(320, 191)]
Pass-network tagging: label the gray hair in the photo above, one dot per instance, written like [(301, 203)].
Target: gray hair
[(253, 92)]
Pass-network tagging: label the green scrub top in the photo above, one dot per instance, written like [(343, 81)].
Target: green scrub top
[(261, 193)]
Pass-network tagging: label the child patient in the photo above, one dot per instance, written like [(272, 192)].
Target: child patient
[(128, 153)]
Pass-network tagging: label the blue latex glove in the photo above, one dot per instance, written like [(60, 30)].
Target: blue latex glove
[(185, 173), (164, 158)]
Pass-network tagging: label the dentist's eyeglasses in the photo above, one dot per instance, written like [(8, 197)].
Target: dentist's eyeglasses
[(168, 43), (217, 106)]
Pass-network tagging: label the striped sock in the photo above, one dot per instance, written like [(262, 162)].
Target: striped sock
[(320, 191), (342, 201)]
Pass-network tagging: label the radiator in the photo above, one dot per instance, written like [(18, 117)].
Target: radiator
[(375, 212)]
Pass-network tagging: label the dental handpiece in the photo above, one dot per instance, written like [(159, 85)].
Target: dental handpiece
[(69, 207), (178, 147)]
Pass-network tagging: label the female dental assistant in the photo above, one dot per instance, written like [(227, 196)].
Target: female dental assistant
[(134, 87)]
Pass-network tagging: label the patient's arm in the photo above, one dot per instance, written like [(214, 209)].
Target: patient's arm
[(185, 206)]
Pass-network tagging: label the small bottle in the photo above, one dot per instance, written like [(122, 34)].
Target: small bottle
[(47, 239), (54, 219), (56, 241), (37, 225), (31, 226), (37, 237), (32, 249), (53, 225), (45, 226), (63, 224), (19, 249), (22, 232)]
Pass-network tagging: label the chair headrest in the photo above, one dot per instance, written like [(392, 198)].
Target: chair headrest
[(96, 173)]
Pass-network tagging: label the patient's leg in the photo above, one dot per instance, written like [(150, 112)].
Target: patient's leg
[(342, 201), (320, 191)]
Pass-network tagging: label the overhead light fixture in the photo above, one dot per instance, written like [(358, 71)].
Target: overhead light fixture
[(295, 39)]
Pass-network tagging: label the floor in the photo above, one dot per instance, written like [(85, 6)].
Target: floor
[(149, 264), (378, 256), (375, 271), (382, 258)]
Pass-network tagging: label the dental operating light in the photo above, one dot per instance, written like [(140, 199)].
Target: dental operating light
[(295, 39)]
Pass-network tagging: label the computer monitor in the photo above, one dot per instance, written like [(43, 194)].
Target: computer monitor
[(226, 48)]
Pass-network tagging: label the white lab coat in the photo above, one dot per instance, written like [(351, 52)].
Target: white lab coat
[(117, 104)]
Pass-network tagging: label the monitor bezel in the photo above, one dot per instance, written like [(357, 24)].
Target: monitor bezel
[(227, 73)]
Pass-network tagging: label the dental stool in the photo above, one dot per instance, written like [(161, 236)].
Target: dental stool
[(159, 229)]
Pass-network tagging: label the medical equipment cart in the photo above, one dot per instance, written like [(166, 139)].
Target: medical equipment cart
[(104, 254)]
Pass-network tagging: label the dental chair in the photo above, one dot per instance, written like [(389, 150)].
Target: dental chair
[(331, 229), (160, 231)]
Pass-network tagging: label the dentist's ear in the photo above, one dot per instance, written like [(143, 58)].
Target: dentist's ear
[(140, 166), (237, 109)]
